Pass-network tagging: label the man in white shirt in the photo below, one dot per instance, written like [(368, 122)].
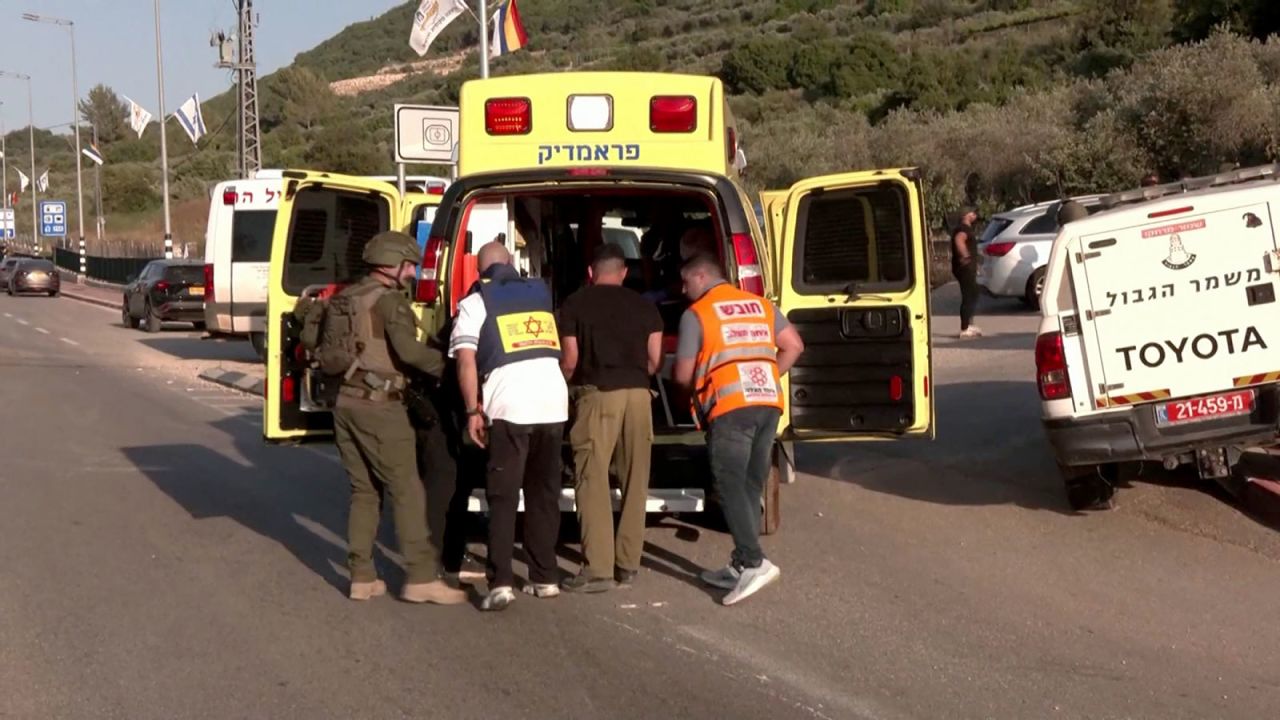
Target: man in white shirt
[(507, 348)]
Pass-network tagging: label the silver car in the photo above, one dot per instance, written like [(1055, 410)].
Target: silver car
[(1015, 245)]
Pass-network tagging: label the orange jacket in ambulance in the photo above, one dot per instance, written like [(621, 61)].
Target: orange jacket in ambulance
[(735, 365)]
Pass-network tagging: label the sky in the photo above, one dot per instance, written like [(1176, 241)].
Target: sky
[(115, 45)]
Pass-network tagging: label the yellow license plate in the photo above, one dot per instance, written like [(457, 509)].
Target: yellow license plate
[(196, 290)]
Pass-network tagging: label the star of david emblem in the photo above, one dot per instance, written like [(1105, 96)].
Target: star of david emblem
[(533, 326)]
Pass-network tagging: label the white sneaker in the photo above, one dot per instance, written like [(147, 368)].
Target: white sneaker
[(498, 599), (726, 578), (970, 332), (752, 581), (542, 590)]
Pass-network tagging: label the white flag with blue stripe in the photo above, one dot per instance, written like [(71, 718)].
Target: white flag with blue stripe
[(191, 119)]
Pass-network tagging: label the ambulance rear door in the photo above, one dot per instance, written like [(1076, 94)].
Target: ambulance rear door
[(322, 225), (853, 279)]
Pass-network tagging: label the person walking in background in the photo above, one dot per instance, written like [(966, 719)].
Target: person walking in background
[(612, 345), (964, 266)]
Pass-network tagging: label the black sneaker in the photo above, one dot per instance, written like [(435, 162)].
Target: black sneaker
[(584, 583), (624, 578)]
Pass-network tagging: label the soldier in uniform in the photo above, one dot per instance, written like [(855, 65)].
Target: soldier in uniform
[(374, 436)]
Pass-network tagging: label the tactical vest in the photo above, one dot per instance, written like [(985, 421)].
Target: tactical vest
[(351, 327), (518, 324), (737, 365)]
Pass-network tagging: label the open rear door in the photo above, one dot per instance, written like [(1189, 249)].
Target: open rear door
[(854, 281), (321, 229)]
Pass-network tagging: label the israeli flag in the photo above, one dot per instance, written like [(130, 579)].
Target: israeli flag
[(191, 119)]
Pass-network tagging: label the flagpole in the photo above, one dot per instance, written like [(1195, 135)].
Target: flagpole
[(31, 136), (164, 146), (97, 182), (4, 161), (484, 40)]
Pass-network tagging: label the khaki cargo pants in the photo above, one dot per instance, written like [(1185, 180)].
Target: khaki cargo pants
[(616, 423)]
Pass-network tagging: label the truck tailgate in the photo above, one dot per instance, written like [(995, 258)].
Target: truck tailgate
[(1179, 305)]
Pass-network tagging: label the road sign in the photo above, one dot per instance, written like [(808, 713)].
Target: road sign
[(426, 134), (53, 218), (8, 226)]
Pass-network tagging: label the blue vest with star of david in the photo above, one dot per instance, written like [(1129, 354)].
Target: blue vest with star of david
[(519, 323)]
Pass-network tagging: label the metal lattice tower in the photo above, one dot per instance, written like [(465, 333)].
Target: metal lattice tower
[(249, 145)]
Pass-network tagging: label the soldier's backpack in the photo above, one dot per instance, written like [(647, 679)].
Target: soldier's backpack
[(340, 327)]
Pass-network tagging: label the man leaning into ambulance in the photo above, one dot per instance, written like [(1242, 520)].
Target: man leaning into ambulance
[(508, 353), (734, 347)]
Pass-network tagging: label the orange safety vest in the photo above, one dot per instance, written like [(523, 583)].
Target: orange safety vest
[(737, 365)]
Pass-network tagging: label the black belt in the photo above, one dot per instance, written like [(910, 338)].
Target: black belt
[(370, 394)]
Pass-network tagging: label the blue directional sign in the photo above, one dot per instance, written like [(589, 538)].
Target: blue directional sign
[(53, 218)]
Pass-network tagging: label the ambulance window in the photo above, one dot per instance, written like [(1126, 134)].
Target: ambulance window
[(251, 232), (327, 235), (853, 236)]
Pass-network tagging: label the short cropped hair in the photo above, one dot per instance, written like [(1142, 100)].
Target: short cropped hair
[(608, 257), (703, 262)]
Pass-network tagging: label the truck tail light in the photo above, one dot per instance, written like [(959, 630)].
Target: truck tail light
[(1051, 367), (288, 389), (673, 113), (229, 196), (208, 282), (429, 278), (508, 116), (998, 249), (750, 275), (435, 189), (895, 388)]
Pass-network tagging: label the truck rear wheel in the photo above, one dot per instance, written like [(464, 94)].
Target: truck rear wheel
[(259, 342), (1089, 487)]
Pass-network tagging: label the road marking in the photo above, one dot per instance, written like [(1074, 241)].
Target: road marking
[(69, 341), (22, 322), (8, 315), (42, 331)]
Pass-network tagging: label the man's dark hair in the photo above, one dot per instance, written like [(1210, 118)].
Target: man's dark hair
[(608, 257), (703, 262)]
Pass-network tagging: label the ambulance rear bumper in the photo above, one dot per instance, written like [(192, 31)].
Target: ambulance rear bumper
[(1133, 436), (661, 500)]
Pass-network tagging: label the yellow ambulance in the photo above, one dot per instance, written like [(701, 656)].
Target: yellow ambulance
[(554, 165)]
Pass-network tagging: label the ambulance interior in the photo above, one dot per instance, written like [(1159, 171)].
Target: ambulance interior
[(554, 236)]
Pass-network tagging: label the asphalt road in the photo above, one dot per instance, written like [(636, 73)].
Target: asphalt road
[(160, 562)]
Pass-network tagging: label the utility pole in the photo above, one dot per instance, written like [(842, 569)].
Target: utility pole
[(4, 161), (484, 40), (244, 62), (97, 183), (164, 145)]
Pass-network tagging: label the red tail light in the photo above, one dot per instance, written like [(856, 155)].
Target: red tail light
[(288, 390), (229, 196), (435, 189), (429, 278), (673, 114), (1051, 367), (208, 282), (508, 116), (998, 249), (895, 388), (162, 286), (750, 274), (1174, 211)]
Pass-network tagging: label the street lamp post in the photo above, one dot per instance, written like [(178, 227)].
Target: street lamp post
[(31, 133), (164, 145), (75, 118)]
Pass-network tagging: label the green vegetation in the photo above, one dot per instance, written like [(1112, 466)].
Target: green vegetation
[(999, 101)]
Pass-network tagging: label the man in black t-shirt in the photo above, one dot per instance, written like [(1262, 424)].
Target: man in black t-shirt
[(611, 342)]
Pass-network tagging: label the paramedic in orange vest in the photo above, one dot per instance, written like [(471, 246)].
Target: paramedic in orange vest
[(733, 348)]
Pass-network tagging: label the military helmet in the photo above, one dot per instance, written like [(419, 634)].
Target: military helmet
[(390, 248), (1070, 212)]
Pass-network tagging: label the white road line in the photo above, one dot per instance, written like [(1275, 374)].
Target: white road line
[(42, 331), (69, 341), (22, 322), (8, 315)]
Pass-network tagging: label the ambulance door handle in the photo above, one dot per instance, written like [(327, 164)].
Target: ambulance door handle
[(1090, 314), (1081, 257)]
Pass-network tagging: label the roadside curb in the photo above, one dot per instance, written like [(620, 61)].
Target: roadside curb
[(73, 295), (236, 380)]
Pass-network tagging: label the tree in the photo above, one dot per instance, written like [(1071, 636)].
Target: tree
[(296, 95), (758, 65), (103, 109), (1114, 33), (1196, 19)]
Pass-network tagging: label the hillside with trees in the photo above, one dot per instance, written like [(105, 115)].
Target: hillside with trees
[(999, 101)]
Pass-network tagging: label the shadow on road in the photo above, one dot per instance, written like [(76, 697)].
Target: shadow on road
[(298, 501), (192, 347), (1003, 341)]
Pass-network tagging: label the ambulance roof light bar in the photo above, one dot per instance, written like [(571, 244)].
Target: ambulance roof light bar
[(673, 113), (588, 113)]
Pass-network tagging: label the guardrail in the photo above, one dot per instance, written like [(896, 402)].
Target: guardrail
[(113, 270)]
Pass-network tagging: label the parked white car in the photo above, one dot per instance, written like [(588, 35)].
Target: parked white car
[(1014, 249), (1159, 335)]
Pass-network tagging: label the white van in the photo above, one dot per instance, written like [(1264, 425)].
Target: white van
[(237, 248), (1160, 332)]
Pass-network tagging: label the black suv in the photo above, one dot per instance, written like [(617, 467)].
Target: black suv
[(166, 291)]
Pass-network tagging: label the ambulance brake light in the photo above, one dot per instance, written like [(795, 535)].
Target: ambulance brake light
[(508, 116), (673, 113), (429, 277), (750, 277), (435, 189), (590, 112)]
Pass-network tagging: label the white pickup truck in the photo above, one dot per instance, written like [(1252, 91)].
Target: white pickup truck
[(1160, 331)]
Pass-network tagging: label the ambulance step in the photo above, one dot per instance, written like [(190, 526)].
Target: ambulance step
[(675, 500)]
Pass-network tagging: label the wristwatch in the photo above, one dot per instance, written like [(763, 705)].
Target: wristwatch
[(474, 411)]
